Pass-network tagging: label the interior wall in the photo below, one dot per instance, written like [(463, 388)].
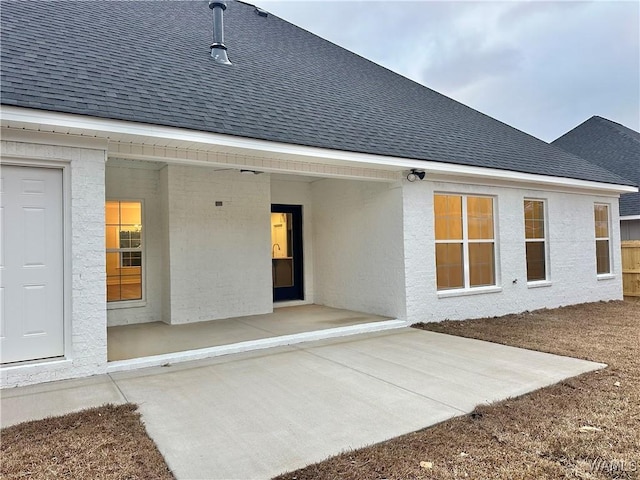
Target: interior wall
[(358, 246), (290, 192), (219, 244), (140, 181)]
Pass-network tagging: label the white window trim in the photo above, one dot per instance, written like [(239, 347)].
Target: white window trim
[(468, 289), (461, 292), (610, 273), (142, 302), (546, 281)]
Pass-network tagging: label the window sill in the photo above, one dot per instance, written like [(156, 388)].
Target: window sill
[(538, 284), (468, 291), (126, 304), (606, 276)]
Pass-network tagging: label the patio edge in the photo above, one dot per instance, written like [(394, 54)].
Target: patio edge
[(260, 344)]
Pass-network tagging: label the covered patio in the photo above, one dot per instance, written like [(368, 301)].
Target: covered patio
[(285, 326), (207, 250)]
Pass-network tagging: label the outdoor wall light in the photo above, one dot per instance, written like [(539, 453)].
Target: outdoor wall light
[(414, 175)]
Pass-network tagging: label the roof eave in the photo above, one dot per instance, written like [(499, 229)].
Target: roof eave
[(86, 127)]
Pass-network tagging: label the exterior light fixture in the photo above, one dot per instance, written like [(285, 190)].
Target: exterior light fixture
[(414, 175)]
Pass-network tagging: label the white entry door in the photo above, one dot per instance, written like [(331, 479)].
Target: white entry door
[(31, 264)]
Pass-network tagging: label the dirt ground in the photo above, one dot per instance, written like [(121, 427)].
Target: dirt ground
[(587, 427), (109, 442)]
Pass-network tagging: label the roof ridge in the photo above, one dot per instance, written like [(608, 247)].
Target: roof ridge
[(619, 128)]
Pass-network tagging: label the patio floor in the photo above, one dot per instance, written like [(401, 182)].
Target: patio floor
[(157, 338), (260, 413)]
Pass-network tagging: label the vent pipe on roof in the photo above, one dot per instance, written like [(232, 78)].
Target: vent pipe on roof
[(218, 48)]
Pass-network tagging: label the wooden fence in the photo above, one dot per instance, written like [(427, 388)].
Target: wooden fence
[(631, 268)]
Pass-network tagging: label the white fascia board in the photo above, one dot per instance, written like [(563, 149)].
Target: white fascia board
[(58, 139), (630, 217), (107, 128)]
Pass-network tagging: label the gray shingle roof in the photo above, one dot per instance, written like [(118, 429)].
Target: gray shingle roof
[(611, 146), (148, 61)]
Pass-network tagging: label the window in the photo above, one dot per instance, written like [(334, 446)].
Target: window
[(601, 215), (124, 250), (535, 240), (465, 241)]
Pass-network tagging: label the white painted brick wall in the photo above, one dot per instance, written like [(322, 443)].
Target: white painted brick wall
[(86, 326), (139, 181), (572, 254), (165, 247), (364, 252), (358, 246), (291, 192), (220, 256)]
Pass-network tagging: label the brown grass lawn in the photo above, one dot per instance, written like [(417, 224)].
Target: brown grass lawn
[(108, 442), (538, 435)]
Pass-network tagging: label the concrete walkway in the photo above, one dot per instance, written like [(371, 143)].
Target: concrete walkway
[(258, 414)]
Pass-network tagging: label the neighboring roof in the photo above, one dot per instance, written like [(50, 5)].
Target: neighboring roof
[(611, 146), (148, 61)]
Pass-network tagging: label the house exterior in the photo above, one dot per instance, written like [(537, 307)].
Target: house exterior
[(616, 148), (145, 182)]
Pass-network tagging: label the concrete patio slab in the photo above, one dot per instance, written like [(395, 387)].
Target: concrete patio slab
[(35, 402), (257, 414), (158, 338)]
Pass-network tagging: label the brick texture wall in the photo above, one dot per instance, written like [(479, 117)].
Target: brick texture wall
[(358, 247), (299, 193), (141, 181), (86, 322), (220, 255), (572, 264)]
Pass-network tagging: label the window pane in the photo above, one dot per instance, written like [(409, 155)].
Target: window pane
[(113, 291), (130, 238), (601, 213), (602, 256), (131, 259), (131, 284), (132, 291), (449, 266), (480, 217), (112, 237), (112, 213), (113, 276), (448, 217), (536, 269), (481, 264), (113, 264), (534, 219), (123, 230), (130, 213), (126, 285)]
